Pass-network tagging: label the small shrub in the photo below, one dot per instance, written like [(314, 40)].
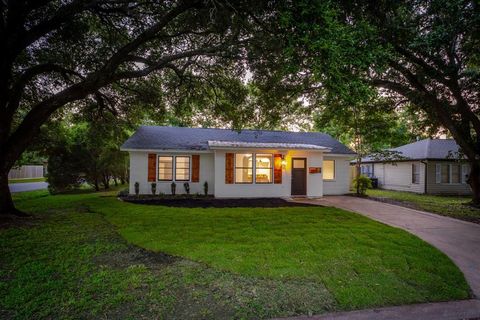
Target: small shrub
[(361, 184), (123, 193), (137, 188), (173, 187), (186, 185), (205, 188), (154, 188)]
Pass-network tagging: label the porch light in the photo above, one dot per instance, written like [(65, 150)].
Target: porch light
[(284, 161)]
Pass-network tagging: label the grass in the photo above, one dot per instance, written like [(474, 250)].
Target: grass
[(26, 180), (451, 206), (84, 256)]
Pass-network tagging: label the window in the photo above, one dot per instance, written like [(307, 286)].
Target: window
[(263, 168), (415, 173), (165, 168), (366, 170), (243, 168), (456, 175), (445, 173), (182, 168), (298, 163), (465, 172), (328, 169)]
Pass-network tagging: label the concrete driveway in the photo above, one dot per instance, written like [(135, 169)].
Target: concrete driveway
[(460, 240), (27, 186)]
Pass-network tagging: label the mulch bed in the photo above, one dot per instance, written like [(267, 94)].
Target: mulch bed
[(210, 202)]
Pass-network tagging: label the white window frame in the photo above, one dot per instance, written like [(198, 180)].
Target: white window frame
[(334, 170), (415, 173), (438, 173), (174, 167), (158, 167), (272, 159), (189, 168), (235, 168), (254, 168)]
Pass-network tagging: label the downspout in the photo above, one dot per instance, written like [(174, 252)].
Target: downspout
[(426, 176)]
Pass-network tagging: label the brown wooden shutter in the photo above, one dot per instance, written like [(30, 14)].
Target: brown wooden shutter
[(195, 167), (277, 168), (152, 167), (229, 168)]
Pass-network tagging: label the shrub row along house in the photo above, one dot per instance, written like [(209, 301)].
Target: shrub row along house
[(431, 166), (249, 163)]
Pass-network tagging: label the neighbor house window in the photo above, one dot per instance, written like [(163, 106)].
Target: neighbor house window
[(456, 173), (328, 169), (165, 168), (243, 168), (415, 173), (465, 172), (263, 168), (182, 168), (445, 173)]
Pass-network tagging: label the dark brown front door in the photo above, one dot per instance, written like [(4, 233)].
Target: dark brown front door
[(299, 176)]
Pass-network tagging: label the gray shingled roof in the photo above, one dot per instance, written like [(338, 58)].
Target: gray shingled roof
[(181, 138), (433, 149)]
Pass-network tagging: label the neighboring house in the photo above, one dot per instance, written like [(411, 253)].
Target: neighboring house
[(250, 163), (428, 168), (27, 172)]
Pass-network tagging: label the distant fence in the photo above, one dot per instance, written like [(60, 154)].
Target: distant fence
[(25, 172)]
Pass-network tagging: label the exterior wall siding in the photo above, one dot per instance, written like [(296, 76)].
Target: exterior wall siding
[(139, 171), (444, 188), (314, 181), (341, 183), (212, 170), (398, 176)]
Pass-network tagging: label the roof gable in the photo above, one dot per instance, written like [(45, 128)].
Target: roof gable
[(182, 138)]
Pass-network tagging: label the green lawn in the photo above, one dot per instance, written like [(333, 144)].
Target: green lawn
[(82, 257), (452, 206), (26, 180)]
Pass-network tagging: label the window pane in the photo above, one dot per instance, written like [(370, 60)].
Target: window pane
[(263, 168), (165, 168), (243, 160), (243, 175), (445, 173), (328, 169), (298, 164), (182, 168), (243, 168), (415, 173), (455, 173)]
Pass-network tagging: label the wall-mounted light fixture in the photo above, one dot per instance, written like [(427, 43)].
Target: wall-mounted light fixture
[(284, 161)]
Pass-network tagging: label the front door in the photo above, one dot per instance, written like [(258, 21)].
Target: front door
[(299, 176)]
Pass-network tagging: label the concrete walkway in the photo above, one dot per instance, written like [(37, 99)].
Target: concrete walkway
[(27, 186), (454, 310), (460, 240)]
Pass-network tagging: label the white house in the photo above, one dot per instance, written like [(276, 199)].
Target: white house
[(250, 163), (428, 166)]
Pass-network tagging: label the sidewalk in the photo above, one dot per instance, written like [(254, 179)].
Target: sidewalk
[(453, 310)]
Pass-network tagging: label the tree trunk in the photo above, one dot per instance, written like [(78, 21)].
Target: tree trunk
[(95, 184), (106, 183), (6, 203), (474, 181)]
